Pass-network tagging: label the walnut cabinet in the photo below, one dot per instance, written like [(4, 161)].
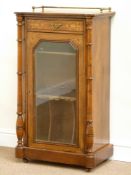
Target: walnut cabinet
[(63, 87)]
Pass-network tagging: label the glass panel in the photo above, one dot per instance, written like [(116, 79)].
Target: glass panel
[(55, 91)]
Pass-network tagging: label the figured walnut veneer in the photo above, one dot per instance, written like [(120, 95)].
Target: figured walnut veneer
[(90, 34)]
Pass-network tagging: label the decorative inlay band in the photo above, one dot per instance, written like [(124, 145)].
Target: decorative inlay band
[(52, 25), (56, 26)]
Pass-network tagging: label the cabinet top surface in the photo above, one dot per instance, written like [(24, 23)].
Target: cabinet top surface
[(64, 15)]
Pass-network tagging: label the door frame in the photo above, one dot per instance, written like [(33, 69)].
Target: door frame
[(76, 40)]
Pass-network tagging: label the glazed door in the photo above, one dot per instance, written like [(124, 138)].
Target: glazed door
[(56, 91)]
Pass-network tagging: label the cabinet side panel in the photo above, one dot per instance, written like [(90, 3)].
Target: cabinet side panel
[(101, 82)]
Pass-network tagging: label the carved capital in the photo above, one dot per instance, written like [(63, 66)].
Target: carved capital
[(19, 19), (89, 24)]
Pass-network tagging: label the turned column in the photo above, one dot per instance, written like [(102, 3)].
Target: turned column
[(19, 123), (89, 77)]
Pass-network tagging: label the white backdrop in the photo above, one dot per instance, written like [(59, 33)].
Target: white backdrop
[(120, 111)]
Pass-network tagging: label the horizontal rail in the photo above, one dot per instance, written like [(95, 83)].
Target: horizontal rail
[(86, 8)]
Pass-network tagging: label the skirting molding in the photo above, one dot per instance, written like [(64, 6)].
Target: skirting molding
[(7, 137), (121, 152)]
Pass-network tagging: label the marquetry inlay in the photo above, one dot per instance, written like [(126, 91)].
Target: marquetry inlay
[(55, 25)]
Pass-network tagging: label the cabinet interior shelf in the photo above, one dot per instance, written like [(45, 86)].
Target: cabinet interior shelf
[(52, 97)]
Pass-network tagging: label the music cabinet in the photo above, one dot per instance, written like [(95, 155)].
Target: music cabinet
[(63, 87)]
